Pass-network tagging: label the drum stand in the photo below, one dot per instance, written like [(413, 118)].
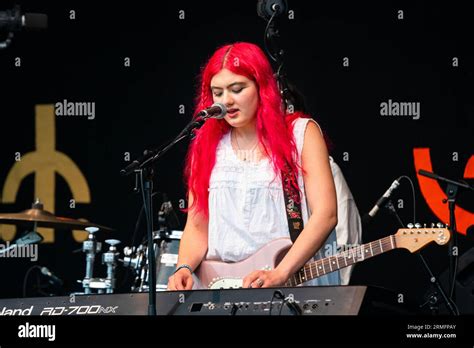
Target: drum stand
[(136, 257), (92, 247)]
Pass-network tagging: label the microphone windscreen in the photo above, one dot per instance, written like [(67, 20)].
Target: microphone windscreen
[(35, 21)]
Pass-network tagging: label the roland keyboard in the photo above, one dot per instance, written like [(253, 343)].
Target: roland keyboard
[(324, 300)]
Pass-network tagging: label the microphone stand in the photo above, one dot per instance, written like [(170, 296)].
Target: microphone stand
[(276, 53), (451, 190), (433, 300), (143, 168)]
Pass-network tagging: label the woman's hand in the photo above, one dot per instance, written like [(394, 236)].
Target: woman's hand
[(265, 279), (181, 280)]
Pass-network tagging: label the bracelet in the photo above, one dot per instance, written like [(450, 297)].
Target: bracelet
[(184, 266)]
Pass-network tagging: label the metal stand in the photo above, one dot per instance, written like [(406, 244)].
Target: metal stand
[(134, 258), (273, 49), (451, 193), (146, 178), (143, 168), (110, 259), (433, 299), (92, 247), (452, 189)]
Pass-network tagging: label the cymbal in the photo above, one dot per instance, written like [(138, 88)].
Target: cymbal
[(44, 218)]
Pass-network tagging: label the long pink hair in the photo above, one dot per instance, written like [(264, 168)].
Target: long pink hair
[(274, 126)]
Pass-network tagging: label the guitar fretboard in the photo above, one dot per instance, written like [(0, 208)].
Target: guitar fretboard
[(346, 258)]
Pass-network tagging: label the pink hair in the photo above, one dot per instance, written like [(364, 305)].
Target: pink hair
[(273, 125)]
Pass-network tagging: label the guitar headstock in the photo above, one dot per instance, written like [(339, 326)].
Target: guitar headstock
[(416, 237)]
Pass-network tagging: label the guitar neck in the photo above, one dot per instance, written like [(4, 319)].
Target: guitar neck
[(349, 257)]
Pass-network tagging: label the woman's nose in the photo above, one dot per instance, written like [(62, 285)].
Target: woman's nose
[(227, 99)]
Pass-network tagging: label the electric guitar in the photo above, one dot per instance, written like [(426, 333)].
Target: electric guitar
[(222, 275)]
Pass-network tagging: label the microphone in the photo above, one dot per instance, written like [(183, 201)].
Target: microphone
[(381, 202), (53, 278), (267, 8), (217, 110), (14, 21)]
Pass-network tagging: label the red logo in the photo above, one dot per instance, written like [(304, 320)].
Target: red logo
[(434, 194)]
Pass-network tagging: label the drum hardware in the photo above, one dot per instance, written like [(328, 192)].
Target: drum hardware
[(110, 259), (166, 247), (135, 259), (133, 256), (31, 237), (38, 217), (167, 218), (92, 247)]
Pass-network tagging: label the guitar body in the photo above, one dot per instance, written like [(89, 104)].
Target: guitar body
[(217, 274)]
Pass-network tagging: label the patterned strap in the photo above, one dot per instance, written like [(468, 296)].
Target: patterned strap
[(293, 206)]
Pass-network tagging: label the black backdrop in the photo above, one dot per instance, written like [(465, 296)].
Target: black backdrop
[(82, 59)]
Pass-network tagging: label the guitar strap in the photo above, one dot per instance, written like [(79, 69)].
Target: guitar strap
[(293, 206)]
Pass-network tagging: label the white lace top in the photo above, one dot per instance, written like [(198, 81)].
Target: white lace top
[(247, 208)]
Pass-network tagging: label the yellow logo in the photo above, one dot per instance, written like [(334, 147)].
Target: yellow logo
[(44, 163)]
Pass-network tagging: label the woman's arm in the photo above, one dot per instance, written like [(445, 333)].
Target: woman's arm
[(192, 250), (193, 245), (321, 196)]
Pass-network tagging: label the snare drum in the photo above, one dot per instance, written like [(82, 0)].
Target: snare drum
[(167, 259), (166, 256)]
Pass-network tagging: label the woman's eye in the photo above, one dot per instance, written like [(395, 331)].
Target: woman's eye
[(217, 94), (237, 90)]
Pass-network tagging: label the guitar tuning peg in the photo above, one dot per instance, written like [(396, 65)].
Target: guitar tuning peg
[(424, 225), (417, 225), (439, 225), (432, 225), (410, 225)]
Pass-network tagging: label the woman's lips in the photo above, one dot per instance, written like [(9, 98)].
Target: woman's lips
[(232, 112)]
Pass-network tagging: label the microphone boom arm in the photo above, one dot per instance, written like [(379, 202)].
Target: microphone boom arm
[(149, 157)]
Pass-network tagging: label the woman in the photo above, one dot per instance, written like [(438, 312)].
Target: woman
[(233, 173)]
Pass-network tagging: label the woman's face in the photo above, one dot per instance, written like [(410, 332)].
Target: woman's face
[(238, 94)]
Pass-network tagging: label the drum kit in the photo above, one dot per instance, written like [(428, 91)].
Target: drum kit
[(166, 246), (135, 258)]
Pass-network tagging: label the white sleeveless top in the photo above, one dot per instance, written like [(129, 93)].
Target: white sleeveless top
[(246, 202)]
